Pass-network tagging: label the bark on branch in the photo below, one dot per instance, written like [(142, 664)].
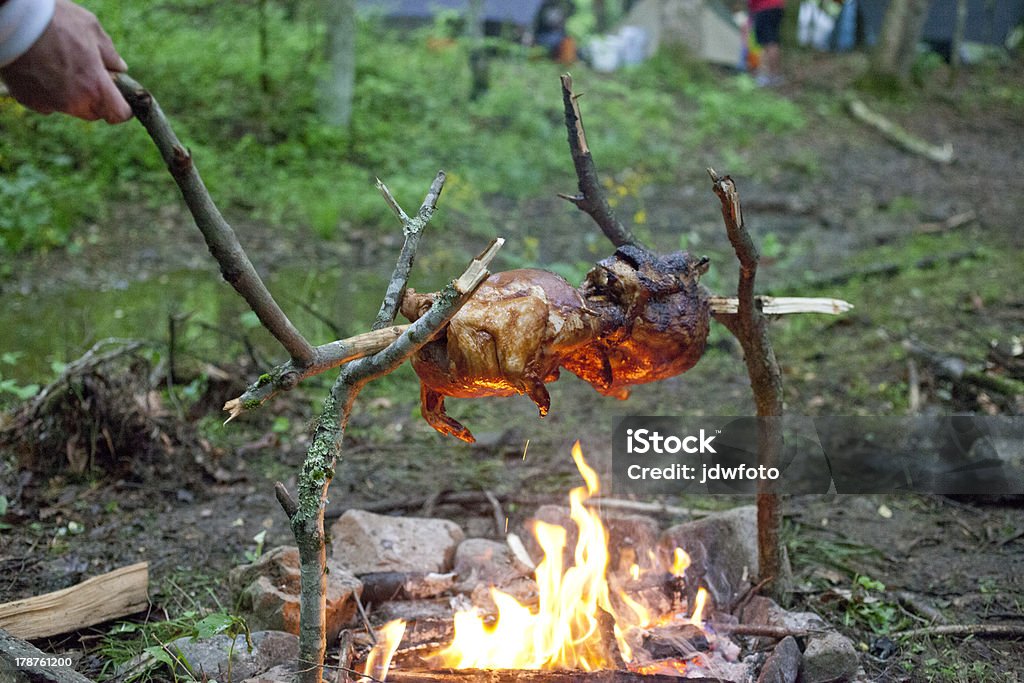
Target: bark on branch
[(750, 328), (306, 515), (221, 240), (590, 198)]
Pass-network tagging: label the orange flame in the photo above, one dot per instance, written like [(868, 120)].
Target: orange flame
[(577, 624), (680, 562), (379, 660), (697, 619)]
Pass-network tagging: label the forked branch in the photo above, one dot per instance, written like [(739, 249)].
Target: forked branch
[(306, 514), (750, 327), (287, 375)]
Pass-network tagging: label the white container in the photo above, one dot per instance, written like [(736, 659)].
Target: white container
[(606, 53), (634, 45)]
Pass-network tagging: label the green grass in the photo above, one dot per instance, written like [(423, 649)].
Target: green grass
[(268, 155)]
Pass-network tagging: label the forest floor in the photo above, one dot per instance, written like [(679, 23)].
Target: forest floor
[(830, 206)]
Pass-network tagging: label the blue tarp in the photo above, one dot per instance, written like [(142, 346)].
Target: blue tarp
[(518, 12), (988, 21)]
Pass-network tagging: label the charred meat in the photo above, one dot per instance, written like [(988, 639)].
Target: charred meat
[(637, 318)]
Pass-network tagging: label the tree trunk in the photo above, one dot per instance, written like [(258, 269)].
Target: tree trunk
[(339, 85), (479, 66), (894, 54)]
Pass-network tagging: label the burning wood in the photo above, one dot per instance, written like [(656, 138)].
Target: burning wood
[(585, 618)]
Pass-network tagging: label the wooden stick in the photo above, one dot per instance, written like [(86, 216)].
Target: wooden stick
[(287, 375), (590, 198), (102, 598), (221, 240), (899, 136), (335, 354), (764, 631), (750, 328), (1000, 631), (307, 516), (782, 305)]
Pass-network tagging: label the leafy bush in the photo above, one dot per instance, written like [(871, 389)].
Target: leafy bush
[(268, 154)]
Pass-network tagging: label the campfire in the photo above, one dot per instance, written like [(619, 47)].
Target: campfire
[(586, 615)]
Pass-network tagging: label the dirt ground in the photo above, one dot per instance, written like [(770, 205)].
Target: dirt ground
[(838, 197)]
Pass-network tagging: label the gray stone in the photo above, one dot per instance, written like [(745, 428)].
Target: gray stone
[(723, 552), (829, 658), (764, 611), (363, 543), (631, 540), (268, 592), (480, 561), (282, 673), (216, 657), (783, 664)]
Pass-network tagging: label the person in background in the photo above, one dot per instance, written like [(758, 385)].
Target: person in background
[(766, 17), (56, 57), (550, 26)]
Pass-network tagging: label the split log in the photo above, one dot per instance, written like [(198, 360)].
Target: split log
[(102, 598), (530, 676), (899, 136)]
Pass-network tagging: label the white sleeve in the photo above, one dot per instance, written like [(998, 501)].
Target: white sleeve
[(21, 24)]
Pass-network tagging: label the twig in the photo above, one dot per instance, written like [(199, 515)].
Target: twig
[(746, 596), (344, 656), (499, 515), (764, 631), (285, 499), (640, 506), (750, 328), (365, 619), (915, 604), (955, 221), (957, 370), (782, 305), (1000, 631), (287, 375), (221, 240), (412, 228), (92, 358), (913, 388), (590, 198), (897, 135)]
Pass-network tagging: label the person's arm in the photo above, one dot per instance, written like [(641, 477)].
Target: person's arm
[(56, 57)]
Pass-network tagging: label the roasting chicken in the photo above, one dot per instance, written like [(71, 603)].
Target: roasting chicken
[(638, 317)]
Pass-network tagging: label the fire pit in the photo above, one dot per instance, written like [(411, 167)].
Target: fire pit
[(631, 606)]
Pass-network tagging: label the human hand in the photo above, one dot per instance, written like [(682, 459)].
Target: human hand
[(68, 69)]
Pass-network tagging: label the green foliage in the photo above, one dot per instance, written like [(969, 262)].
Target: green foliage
[(143, 652), (270, 156), (868, 608), (11, 389)]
